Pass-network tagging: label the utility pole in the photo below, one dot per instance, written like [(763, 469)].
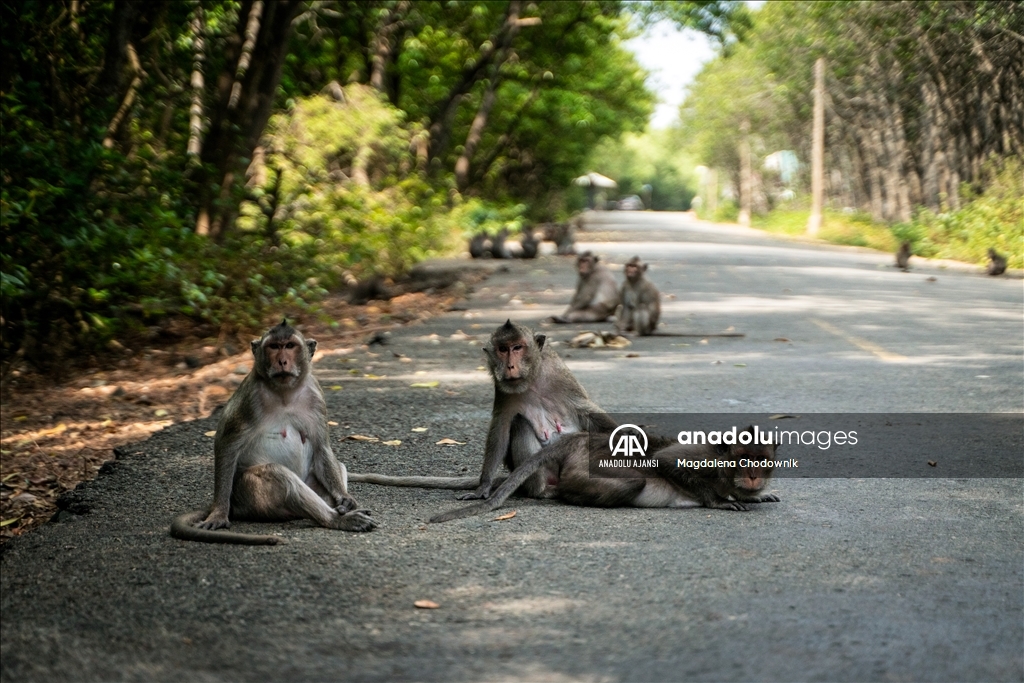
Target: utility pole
[(818, 149), (746, 186)]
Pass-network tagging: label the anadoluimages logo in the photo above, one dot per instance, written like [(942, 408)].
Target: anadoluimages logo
[(628, 444)]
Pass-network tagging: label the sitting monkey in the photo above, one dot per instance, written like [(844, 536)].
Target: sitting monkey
[(641, 301), (597, 295)]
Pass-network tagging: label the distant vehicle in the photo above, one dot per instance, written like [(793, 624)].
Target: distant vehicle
[(631, 203)]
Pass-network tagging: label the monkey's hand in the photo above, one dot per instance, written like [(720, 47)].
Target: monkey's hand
[(217, 519), (728, 505), (357, 520), (768, 498), (481, 492)]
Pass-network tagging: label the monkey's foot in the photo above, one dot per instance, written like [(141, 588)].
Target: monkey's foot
[(481, 493), (345, 504), (730, 505), (357, 520), (769, 498)]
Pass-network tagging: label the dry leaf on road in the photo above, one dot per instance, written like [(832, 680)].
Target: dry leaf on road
[(450, 442), (360, 437), (426, 604), (507, 516)]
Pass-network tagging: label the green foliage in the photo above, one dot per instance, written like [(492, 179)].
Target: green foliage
[(648, 159), (994, 219)]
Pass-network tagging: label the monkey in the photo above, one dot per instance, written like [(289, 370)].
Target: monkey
[(272, 457), (373, 288), (996, 263), (597, 295), (562, 234), (498, 247), (480, 245), (903, 257), (530, 243), (567, 467), (536, 402), (641, 301)]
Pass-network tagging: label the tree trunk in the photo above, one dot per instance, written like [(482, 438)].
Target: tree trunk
[(818, 153), (476, 131), (745, 179), (247, 88)]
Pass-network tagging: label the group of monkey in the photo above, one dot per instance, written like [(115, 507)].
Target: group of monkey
[(484, 245), (996, 261), (273, 459)]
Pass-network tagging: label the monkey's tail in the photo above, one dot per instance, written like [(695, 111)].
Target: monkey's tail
[(182, 527), (453, 483), (514, 480)]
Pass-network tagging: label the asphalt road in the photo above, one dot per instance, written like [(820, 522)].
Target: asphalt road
[(845, 579)]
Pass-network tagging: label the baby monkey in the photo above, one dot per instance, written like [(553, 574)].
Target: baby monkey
[(996, 263), (641, 301), (272, 457)]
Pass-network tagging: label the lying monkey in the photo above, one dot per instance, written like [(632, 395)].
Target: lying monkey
[(567, 464), (272, 458)]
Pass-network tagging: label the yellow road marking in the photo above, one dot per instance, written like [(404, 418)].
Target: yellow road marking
[(862, 344)]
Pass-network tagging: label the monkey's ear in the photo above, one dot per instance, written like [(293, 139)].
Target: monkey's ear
[(311, 345), (645, 267), (539, 338), (597, 258), (254, 345)]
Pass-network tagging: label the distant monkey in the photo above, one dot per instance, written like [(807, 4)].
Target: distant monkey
[(530, 243), (498, 247), (996, 263), (641, 301), (272, 457), (480, 245), (903, 257), (567, 467), (597, 295)]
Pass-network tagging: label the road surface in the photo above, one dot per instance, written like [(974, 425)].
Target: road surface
[(845, 579)]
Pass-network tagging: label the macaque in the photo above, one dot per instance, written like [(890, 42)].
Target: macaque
[(562, 234), (566, 465), (530, 243), (641, 301), (480, 245), (597, 295), (272, 457), (996, 263), (498, 247), (536, 402), (903, 257)]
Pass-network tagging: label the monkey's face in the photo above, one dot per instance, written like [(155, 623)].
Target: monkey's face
[(751, 480), (633, 272), (284, 361), (585, 265)]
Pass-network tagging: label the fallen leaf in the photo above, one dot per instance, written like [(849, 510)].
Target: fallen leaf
[(782, 416), (739, 365), (160, 412), (510, 515), (369, 376), (332, 423), (781, 339), (12, 520), (419, 429), (426, 604), (360, 437), (393, 442), (632, 355), (59, 429), (425, 385), (932, 463), (450, 442), (716, 362), (21, 418), (931, 279), (212, 432), (480, 367), (336, 387)]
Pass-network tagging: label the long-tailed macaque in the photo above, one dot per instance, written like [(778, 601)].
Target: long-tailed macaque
[(641, 301), (996, 263), (480, 245), (536, 402), (566, 465), (597, 295), (272, 456), (903, 257)]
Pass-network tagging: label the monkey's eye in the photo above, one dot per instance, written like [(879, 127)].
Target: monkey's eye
[(517, 347), (290, 345)]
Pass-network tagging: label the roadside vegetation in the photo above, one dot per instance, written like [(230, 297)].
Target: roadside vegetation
[(923, 137)]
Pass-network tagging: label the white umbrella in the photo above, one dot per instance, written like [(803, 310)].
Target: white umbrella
[(594, 180)]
